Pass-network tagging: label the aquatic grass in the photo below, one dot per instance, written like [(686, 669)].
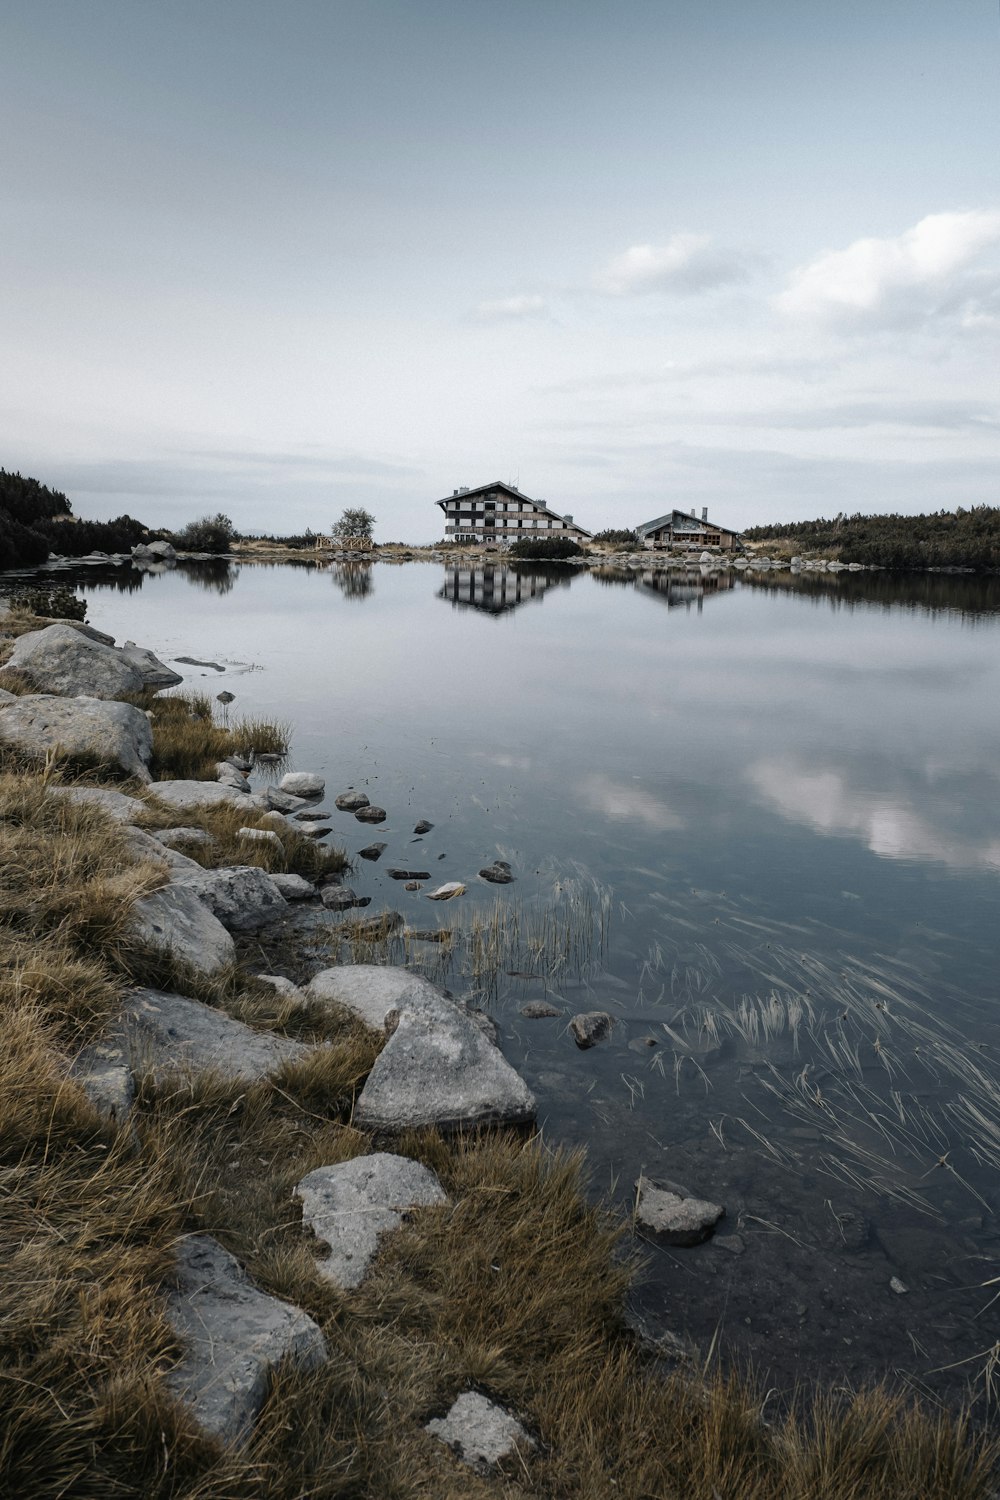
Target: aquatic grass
[(188, 743)]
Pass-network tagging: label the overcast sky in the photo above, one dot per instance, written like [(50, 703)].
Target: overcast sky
[(277, 257)]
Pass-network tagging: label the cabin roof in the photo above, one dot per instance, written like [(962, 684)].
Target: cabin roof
[(690, 523)]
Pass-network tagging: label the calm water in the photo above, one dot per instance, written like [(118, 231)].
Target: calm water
[(764, 815)]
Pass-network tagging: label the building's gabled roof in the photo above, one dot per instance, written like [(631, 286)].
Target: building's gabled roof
[(688, 523), (515, 494)]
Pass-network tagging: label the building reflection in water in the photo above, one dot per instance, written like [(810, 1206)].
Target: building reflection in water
[(671, 586), (496, 588)]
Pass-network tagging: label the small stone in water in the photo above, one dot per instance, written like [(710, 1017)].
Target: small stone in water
[(897, 1286), (423, 826), (372, 851)]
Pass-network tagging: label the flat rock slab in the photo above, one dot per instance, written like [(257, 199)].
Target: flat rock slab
[(283, 802), (168, 1032), (372, 991), (439, 1069), (113, 733), (350, 1206), (294, 887), (590, 1027), (243, 897), (480, 1432), (394, 873), (673, 1218), (116, 804), (185, 796), (233, 1336), (177, 920)]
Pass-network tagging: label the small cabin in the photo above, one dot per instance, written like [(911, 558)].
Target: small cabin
[(499, 513), (683, 530)]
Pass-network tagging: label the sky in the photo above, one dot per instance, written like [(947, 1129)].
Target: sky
[(282, 258)]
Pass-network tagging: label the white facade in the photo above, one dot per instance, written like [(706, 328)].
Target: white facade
[(499, 513)]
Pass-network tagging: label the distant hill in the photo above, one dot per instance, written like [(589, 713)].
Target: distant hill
[(946, 539), (36, 520)]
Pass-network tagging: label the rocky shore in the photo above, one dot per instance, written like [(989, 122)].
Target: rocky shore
[(363, 1274)]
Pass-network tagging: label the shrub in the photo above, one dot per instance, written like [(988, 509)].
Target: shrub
[(549, 548), (620, 537), (209, 534), (51, 604)]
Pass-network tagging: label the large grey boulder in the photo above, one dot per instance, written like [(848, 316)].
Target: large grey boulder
[(233, 1336), (158, 551), (372, 991), (115, 734), (672, 1216), (176, 921), (480, 1432), (167, 1032), (243, 897), (439, 1069), (351, 1205), (61, 659)]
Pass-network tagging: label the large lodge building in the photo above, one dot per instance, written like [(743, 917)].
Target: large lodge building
[(498, 512)]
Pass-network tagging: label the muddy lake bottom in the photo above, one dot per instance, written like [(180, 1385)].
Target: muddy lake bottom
[(758, 823)]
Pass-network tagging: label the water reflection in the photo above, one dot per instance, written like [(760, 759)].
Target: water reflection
[(687, 588), (354, 579), (972, 597), (671, 586), (215, 574), (898, 812), (498, 588)]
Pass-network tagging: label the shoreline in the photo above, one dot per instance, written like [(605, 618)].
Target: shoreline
[(552, 1335)]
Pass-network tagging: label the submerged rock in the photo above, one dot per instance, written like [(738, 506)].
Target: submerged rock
[(394, 873), (498, 873), (538, 1010), (590, 1027), (351, 1205), (674, 1218), (234, 1336)]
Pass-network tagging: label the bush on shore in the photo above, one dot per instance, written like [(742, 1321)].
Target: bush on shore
[(546, 549)]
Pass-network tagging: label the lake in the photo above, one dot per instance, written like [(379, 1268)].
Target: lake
[(754, 818)]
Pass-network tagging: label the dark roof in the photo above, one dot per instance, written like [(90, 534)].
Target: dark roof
[(694, 523)]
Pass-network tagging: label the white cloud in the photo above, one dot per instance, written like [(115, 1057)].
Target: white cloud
[(927, 270), (686, 263), (512, 309), (621, 803)]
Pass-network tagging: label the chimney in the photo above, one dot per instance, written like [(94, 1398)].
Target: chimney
[(568, 520), (704, 512), (694, 515), (454, 492)]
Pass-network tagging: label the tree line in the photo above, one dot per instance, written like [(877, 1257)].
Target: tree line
[(944, 539)]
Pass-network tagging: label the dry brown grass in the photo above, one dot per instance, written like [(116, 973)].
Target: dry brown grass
[(299, 855), (187, 742)]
